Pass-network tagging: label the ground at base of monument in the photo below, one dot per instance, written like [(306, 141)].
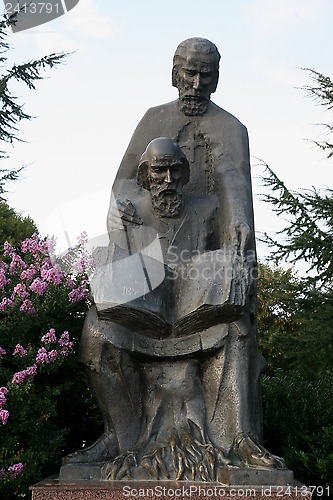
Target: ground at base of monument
[(54, 489)]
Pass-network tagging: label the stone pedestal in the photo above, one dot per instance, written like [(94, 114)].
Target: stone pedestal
[(53, 489), (227, 475)]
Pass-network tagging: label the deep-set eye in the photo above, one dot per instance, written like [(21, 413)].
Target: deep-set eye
[(176, 170), (208, 74), (190, 72), (157, 169)]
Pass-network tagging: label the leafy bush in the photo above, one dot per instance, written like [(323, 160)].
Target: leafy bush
[(46, 409), (298, 425), (294, 323)]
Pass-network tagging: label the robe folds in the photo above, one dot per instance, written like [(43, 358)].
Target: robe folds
[(216, 145)]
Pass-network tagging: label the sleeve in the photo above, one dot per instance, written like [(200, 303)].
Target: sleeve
[(233, 178)]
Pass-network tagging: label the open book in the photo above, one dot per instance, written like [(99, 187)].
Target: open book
[(146, 295)]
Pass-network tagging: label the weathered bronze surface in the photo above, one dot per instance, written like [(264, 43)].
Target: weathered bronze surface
[(170, 346)]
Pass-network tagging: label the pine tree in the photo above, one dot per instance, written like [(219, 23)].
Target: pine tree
[(295, 330), (12, 112), (322, 91), (14, 227), (307, 237)]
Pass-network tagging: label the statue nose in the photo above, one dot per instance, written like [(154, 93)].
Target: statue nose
[(197, 81), (168, 177)]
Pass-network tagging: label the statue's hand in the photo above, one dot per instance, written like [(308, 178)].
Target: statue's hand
[(243, 260), (122, 214), (240, 237)]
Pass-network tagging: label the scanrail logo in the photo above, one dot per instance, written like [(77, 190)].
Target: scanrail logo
[(25, 14)]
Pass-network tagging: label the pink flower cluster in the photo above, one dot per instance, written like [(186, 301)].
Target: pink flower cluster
[(45, 356), (5, 303), (57, 349), (62, 348), (19, 377), (44, 271), (37, 247), (17, 264), (20, 290), (29, 273), (80, 293), (79, 259), (49, 337), (39, 286), (51, 273), (26, 275), (20, 351), (13, 470), (4, 280), (66, 344), (4, 414)]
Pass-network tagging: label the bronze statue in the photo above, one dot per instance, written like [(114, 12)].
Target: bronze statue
[(170, 347)]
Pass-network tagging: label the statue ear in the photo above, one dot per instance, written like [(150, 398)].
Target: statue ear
[(142, 176), (175, 76), (214, 87)]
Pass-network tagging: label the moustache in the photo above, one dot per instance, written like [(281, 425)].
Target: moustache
[(167, 189), (193, 97)]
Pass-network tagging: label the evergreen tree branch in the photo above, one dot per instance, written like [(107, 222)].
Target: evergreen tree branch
[(322, 91), (12, 112), (308, 234)]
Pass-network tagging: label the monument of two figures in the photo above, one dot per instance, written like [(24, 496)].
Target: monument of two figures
[(170, 345)]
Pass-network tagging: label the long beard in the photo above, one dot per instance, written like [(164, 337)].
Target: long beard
[(193, 107), (166, 203)]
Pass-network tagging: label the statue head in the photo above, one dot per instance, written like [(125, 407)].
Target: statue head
[(195, 73), (163, 170)]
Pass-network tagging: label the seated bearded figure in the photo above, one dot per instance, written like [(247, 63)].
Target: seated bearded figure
[(170, 345)]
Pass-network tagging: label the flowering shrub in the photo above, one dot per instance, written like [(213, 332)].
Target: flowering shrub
[(43, 397), (12, 472)]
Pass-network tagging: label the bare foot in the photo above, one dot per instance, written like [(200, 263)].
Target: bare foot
[(253, 453)]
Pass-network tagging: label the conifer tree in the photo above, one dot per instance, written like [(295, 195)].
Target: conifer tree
[(12, 112), (307, 237)]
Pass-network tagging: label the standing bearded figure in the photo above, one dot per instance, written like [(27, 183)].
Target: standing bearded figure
[(216, 369)]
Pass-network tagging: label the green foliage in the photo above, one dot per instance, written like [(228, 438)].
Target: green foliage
[(277, 322), (322, 90), (12, 113), (298, 424), (294, 323), (52, 413), (7, 176), (309, 233), (14, 227), (308, 238)]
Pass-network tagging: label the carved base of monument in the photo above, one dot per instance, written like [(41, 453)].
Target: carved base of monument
[(227, 475), (255, 476), (53, 489)]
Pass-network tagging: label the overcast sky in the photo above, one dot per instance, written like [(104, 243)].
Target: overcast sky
[(86, 110)]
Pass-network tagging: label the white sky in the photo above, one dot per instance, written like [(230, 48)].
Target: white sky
[(87, 109)]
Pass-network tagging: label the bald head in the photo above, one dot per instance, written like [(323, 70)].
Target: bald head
[(163, 170), (162, 153)]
